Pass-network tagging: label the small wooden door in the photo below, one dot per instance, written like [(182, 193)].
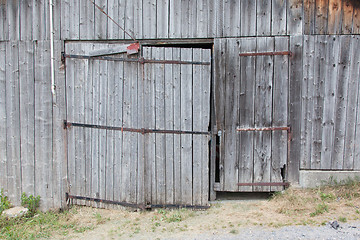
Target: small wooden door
[(251, 98), (138, 125)]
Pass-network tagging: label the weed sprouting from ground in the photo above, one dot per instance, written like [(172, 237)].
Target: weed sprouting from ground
[(4, 202)]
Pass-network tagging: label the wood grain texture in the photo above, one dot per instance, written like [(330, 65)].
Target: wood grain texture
[(231, 18), (4, 28), (162, 13), (86, 20), (150, 19), (279, 17), (263, 18), (309, 16), (321, 16), (248, 19), (3, 145), (334, 16), (295, 17), (101, 20), (26, 19), (13, 19)]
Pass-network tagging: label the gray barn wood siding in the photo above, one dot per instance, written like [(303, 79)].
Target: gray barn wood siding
[(323, 108)]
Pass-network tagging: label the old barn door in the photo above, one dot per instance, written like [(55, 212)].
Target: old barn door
[(251, 101), (138, 125)]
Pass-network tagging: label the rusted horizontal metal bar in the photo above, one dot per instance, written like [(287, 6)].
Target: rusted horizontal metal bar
[(137, 130), (133, 205), (263, 129), (265, 54), (285, 184), (140, 60)]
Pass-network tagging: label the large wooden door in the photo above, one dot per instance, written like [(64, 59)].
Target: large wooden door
[(251, 101), (138, 125)]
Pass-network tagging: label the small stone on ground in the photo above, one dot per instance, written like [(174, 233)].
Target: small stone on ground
[(15, 212)]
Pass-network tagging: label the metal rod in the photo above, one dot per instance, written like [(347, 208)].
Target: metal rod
[(133, 205), (140, 60), (263, 129), (138, 130), (286, 184), (265, 54)]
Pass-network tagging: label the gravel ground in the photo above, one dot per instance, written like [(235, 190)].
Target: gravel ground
[(344, 231)]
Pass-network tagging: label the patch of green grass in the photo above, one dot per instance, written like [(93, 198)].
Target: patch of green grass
[(233, 231), (4, 202), (320, 209), (342, 219), (30, 202), (326, 196)]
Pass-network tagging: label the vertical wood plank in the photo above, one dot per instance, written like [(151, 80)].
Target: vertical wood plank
[(295, 76), (149, 19), (309, 16), (347, 17), (295, 17), (12, 94), (13, 19), (177, 125), (334, 17), (279, 17), (356, 21), (25, 8), (263, 113), (248, 17), (138, 19), (211, 24), (307, 86), (232, 92), (129, 17), (263, 18), (185, 18), (320, 76), (328, 118), (175, 19), (43, 124), (186, 125), (27, 115), (160, 151), (352, 98), (193, 19), (65, 17), (246, 112), (279, 146), (202, 11), (114, 31), (4, 28), (337, 156), (86, 20), (101, 21), (141, 139), (162, 17), (3, 129), (232, 18), (169, 124), (321, 16)]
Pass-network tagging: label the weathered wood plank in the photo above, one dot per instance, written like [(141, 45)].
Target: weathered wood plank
[(138, 19), (263, 18), (246, 112), (337, 156), (13, 19), (357, 133), (4, 28), (309, 16), (193, 19), (26, 19), (43, 124), (162, 17), (219, 75), (356, 21), (347, 17), (279, 146), (307, 86), (114, 32), (86, 20), (232, 18), (129, 17), (3, 129), (205, 102), (328, 118), (279, 17), (263, 112), (197, 122), (177, 125), (232, 92), (27, 115), (100, 20), (12, 94), (248, 17), (295, 17), (202, 11), (175, 19), (334, 17), (351, 108), (160, 151), (295, 76), (185, 18), (118, 143), (321, 16), (141, 139), (320, 76), (65, 18), (186, 125), (149, 19), (211, 23)]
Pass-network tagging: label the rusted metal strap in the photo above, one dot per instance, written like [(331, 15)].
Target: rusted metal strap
[(266, 54), (137, 130), (133, 205), (271, 184), (140, 60), (263, 129)]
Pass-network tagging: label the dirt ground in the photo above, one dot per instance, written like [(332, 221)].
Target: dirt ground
[(304, 214)]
